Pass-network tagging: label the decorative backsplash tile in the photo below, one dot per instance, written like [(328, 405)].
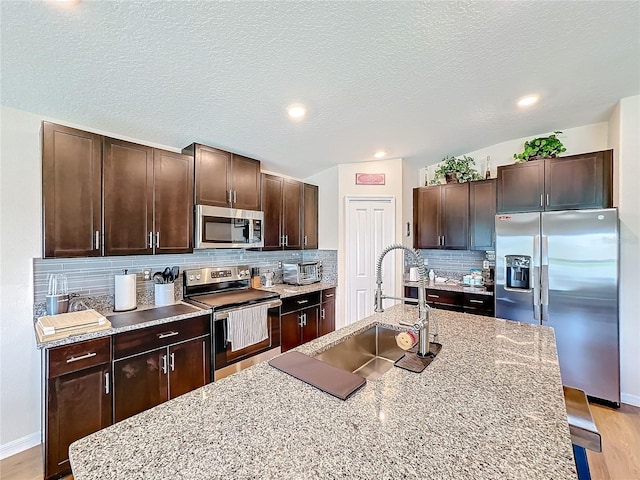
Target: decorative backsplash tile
[(449, 263)]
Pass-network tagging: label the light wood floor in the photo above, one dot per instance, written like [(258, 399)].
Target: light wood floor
[(619, 460)]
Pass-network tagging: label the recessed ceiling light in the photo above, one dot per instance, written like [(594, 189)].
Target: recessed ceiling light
[(528, 100), (296, 111), (379, 154)]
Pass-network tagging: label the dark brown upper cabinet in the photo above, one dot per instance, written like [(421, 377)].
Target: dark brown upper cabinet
[(482, 212), (128, 198), (441, 216), (563, 183), (224, 179), (310, 228), (290, 213), (71, 192)]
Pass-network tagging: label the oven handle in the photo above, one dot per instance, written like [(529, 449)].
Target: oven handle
[(222, 314)]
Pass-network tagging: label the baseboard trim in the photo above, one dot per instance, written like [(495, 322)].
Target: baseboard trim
[(19, 445), (630, 399)]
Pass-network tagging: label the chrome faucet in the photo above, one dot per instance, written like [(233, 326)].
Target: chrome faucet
[(422, 324)]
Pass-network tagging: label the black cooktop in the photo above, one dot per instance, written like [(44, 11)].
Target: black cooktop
[(234, 298)]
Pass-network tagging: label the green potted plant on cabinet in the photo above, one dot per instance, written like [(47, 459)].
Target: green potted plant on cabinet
[(541, 147), (456, 170)]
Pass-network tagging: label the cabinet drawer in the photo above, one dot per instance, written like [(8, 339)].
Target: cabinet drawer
[(299, 302), (157, 336), (328, 294), (78, 356), (444, 297), (480, 302)]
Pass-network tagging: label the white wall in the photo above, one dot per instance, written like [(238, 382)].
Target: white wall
[(20, 242), (625, 138)]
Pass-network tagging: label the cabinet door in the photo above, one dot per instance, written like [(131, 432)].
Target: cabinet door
[(444, 299), (173, 202), (579, 181), (454, 216), (292, 214), (140, 382), (478, 304), (128, 198), (271, 204), (426, 215), (290, 328), (189, 366), (212, 176), (245, 183), (310, 324), (327, 317), (310, 237), (78, 404), (482, 212), (71, 192), (521, 187)]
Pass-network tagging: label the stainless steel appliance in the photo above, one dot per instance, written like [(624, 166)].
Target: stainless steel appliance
[(302, 273), (225, 289), (560, 269), (222, 227)]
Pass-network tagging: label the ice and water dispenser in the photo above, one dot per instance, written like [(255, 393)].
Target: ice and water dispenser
[(518, 271)]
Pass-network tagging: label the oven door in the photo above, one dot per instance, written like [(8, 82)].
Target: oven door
[(222, 348), (221, 227)]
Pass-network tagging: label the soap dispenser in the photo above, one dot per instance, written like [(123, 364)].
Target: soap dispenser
[(432, 276)]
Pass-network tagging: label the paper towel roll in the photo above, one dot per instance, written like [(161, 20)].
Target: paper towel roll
[(125, 292)]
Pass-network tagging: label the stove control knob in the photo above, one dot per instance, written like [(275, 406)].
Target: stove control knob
[(198, 276), (191, 277)]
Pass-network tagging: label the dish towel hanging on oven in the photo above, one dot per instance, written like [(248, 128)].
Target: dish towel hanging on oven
[(247, 326)]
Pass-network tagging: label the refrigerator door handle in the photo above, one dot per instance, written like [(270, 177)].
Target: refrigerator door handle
[(544, 278), (536, 278)]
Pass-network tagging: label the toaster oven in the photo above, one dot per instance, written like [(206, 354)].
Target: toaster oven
[(302, 273)]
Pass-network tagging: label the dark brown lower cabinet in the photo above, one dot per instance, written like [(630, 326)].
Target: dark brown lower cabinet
[(306, 317), (78, 398), (474, 303), (158, 363)]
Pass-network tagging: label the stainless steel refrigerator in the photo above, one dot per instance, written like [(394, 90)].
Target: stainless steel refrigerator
[(560, 269)]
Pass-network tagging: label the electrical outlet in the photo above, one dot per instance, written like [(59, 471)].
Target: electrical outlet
[(279, 264), (146, 273)]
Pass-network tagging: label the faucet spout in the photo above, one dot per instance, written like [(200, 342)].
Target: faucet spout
[(422, 325)]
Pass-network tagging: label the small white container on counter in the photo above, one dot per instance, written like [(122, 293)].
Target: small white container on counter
[(164, 294)]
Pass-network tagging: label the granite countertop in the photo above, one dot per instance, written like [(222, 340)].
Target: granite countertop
[(490, 406), (286, 291), (451, 287), (147, 320)]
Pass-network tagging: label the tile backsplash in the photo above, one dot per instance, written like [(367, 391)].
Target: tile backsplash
[(93, 278), (451, 263)]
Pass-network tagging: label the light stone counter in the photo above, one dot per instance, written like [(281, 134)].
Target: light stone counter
[(489, 407), (286, 291)]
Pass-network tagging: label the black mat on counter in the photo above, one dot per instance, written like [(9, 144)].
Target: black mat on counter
[(140, 316), (321, 375), (412, 362)]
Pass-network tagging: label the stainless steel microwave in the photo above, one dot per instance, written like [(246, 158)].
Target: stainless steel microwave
[(222, 227)]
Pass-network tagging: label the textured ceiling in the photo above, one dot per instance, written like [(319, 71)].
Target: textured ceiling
[(419, 79)]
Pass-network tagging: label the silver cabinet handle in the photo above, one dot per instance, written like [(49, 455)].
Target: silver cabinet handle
[(433, 296), (229, 196), (81, 357), (476, 301), (541, 201), (150, 239), (547, 199), (301, 320), (305, 240), (282, 241), (443, 241), (304, 316), (164, 364), (286, 240), (471, 240), (97, 240), (157, 239), (235, 197), (168, 334), (106, 383), (302, 302), (329, 295), (322, 313), (172, 361)]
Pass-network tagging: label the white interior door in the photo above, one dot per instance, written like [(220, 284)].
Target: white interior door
[(370, 227)]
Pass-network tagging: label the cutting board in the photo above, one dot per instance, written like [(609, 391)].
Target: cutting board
[(54, 327)]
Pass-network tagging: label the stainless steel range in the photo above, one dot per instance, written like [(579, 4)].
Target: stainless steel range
[(226, 290)]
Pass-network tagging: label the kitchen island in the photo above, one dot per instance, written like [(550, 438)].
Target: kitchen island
[(489, 406)]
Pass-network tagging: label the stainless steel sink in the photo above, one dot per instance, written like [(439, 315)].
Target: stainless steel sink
[(370, 353)]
